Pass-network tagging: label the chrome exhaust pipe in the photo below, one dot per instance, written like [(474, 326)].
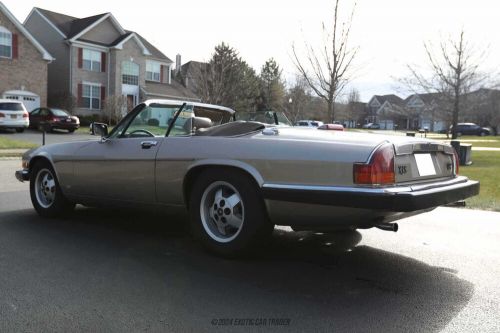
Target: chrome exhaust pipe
[(387, 226)]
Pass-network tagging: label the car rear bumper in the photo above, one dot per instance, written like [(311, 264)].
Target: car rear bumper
[(14, 123), (395, 199), (22, 175)]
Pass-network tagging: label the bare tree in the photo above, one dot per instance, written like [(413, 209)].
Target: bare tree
[(331, 67), (454, 67), (114, 107), (298, 99)]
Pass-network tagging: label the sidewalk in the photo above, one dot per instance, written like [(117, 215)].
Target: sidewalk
[(485, 148)]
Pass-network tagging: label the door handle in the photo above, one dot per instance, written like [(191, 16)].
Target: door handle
[(148, 144)]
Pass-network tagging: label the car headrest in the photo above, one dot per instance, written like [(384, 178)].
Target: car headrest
[(195, 123), (201, 122)]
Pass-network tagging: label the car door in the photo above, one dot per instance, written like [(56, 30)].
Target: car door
[(44, 116), (34, 117), (122, 166)]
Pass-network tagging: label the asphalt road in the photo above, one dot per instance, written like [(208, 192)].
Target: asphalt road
[(120, 271), (35, 136)]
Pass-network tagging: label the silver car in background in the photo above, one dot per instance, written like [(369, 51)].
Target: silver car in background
[(13, 115), (237, 179)]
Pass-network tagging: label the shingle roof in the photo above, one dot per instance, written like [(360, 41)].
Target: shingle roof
[(393, 99), (154, 51), (69, 25), (426, 98), (61, 21), (121, 38), (173, 90), (192, 66), (72, 26), (79, 25)]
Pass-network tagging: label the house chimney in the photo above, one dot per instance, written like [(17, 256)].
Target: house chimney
[(177, 63)]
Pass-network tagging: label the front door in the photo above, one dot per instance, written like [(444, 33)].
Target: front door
[(121, 167), (130, 102)]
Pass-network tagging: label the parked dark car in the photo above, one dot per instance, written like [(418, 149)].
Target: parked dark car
[(470, 129), (54, 119), (372, 126)]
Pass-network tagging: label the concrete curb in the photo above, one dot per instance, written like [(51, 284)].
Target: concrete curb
[(9, 153)]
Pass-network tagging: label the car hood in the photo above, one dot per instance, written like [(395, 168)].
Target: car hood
[(57, 151)]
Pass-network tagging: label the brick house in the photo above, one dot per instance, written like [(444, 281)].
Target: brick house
[(23, 63), (97, 58)]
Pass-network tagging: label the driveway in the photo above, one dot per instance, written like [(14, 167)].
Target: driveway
[(35, 136), (120, 271)]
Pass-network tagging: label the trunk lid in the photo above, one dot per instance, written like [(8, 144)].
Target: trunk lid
[(423, 161)]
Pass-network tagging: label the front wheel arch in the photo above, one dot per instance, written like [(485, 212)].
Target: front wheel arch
[(36, 159)]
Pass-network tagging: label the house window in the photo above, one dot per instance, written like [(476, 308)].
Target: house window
[(153, 71), (91, 60), (5, 43), (130, 73), (91, 96)]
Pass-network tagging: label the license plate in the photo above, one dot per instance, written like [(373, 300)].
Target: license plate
[(13, 116), (425, 165)]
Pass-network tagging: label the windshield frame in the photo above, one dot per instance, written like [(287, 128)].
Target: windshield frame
[(126, 121)]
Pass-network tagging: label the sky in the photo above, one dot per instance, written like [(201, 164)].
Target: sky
[(389, 33)]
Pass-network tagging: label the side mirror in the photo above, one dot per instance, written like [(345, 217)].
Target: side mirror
[(99, 129)]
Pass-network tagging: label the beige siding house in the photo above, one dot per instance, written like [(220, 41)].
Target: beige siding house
[(97, 58), (23, 63)]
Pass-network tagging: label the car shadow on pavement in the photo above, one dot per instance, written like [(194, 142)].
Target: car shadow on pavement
[(147, 269)]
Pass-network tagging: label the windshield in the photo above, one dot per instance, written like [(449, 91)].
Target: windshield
[(11, 107), (154, 120)]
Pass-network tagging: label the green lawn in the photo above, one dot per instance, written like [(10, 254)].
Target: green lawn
[(486, 169), (6, 143)]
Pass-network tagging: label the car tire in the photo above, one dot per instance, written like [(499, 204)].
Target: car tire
[(71, 130), (45, 192), (20, 130), (227, 213)]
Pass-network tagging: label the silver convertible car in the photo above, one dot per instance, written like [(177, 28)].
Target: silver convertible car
[(237, 179)]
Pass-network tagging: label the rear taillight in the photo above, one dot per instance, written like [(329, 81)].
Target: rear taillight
[(25, 115), (2, 115), (379, 170), (456, 162)]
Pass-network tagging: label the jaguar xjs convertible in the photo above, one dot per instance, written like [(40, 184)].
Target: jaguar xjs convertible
[(237, 179)]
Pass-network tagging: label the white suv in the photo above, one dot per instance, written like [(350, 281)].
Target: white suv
[(13, 114), (309, 123)]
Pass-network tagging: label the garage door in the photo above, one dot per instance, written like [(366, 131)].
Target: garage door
[(30, 100)]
